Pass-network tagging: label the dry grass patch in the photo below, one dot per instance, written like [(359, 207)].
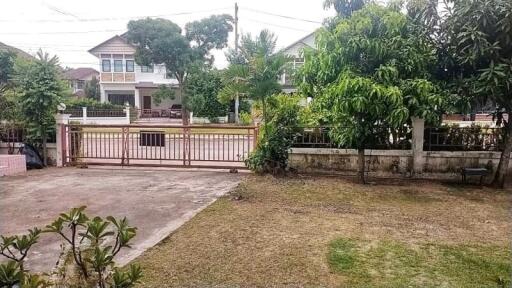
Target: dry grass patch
[(278, 232)]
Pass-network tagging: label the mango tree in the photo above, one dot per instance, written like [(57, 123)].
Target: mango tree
[(370, 72), (479, 38)]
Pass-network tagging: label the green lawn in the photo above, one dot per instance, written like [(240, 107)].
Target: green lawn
[(395, 264), (329, 232)]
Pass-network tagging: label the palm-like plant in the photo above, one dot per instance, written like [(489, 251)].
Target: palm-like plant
[(236, 84), (256, 71)]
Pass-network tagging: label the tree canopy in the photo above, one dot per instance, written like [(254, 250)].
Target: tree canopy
[(160, 41), (371, 72), (41, 92), (477, 38), (254, 69), (203, 85)]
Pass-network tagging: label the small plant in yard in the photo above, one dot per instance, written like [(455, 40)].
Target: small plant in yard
[(89, 242)]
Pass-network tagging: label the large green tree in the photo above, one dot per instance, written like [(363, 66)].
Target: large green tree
[(203, 85), (478, 37), (371, 73), (92, 89), (160, 41), (40, 93)]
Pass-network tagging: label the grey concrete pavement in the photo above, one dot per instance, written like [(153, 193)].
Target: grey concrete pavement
[(155, 201)]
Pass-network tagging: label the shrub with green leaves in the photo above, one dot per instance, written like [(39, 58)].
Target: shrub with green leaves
[(277, 134), (93, 244)]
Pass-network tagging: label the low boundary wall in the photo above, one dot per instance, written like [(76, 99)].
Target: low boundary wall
[(386, 163)]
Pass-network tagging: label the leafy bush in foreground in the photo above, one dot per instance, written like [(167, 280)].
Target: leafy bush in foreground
[(89, 242)]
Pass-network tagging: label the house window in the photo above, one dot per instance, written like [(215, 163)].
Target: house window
[(105, 65), (130, 66), (118, 65), (80, 84), (146, 69)]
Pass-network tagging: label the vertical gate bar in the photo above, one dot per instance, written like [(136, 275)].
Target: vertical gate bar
[(95, 147), (184, 150), (194, 149), (104, 151), (189, 157), (122, 146), (128, 146)]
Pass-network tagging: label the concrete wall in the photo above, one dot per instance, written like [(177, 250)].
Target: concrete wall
[(102, 120), (52, 151), (398, 163)]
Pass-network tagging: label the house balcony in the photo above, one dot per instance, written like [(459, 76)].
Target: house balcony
[(117, 77)]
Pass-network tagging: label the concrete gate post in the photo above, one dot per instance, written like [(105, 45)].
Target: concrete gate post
[(84, 115), (127, 113), (62, 120), (418, 157)]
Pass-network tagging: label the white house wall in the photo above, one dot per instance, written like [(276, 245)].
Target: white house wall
[(157, 77), (296, 49)]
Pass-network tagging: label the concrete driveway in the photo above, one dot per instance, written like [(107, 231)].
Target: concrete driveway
[(156, 201)]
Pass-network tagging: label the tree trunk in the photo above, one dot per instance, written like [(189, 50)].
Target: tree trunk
[(501, 171), (184, 111), (264, 107), (361, 164), (43, 136)]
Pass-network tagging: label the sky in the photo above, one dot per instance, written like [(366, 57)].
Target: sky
[(69, 28)]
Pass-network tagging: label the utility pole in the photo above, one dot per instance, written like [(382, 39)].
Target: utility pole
[(237, 98), (236, 27)]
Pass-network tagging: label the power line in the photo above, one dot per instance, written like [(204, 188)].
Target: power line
[(62, 32), (117, 18), (277, 25), (279, 15)]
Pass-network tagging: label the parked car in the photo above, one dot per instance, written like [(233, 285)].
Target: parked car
[(175, 111)]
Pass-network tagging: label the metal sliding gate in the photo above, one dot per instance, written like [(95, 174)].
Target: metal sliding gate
[(158, 145)]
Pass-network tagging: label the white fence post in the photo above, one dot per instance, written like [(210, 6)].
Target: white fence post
[(61, 119), (127, 111), (418, 157), (84, 115)]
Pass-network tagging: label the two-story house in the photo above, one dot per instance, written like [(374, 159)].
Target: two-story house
[(124, 81), (78, 78), (294, 51)]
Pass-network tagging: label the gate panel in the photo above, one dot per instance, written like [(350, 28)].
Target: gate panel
[(154, 145)]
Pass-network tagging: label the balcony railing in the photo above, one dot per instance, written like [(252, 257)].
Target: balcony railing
[(117, 77)]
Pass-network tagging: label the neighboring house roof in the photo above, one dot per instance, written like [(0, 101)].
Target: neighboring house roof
[(115, 38), (300, 41), (18, 52), (79, 73)]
